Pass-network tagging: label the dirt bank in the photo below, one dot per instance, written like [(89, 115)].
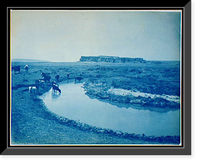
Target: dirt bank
[(33, 123), (131, 97)]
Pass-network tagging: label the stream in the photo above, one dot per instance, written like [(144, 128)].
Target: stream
[(74, 104)]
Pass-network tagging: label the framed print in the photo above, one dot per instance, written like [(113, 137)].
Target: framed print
[(98, 80)]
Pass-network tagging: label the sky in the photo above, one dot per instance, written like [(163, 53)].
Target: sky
[(65, 36)]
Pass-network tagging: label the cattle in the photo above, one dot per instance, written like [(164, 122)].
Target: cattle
[(68, 75), (46, 77), (40, 83), (33, 90), (57, 78), (26, 68), (56, 88), (16, 68), (54, 82), (78, 78)]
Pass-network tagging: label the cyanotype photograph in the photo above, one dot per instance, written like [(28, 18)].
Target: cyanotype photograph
[(95, 77)]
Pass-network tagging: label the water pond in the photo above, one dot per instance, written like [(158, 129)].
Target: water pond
[(74, 104)]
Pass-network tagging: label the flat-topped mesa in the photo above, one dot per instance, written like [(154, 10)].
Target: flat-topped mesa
[(111, 59)]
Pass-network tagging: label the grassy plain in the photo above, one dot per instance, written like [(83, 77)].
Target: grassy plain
[(32, 123)]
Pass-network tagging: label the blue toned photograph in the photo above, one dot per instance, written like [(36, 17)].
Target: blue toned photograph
[(95, 77)]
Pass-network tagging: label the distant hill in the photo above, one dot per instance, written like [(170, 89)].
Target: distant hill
[(29, 60), (111, 59)]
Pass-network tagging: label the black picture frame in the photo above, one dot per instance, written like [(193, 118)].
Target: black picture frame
[(188, 113)]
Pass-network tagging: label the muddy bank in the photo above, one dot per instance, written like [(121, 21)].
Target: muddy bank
[(33, 123)]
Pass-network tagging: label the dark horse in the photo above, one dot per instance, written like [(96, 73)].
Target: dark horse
[(46, 77), (57, 78), (56, 88), (78, 79), (16, 69)]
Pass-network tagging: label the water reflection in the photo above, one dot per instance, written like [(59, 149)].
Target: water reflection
[(55, 94)]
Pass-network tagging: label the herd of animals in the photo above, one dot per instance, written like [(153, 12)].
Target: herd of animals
[(46, 80)]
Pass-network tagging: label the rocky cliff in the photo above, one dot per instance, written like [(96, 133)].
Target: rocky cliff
[(111, 59)]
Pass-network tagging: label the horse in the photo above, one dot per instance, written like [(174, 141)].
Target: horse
[(78, 78), (16, 69), (54, 82), (56, 88), (26, 68), (57, 77), (40, 83), (33, 90), (46, 77), (68, 75)]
